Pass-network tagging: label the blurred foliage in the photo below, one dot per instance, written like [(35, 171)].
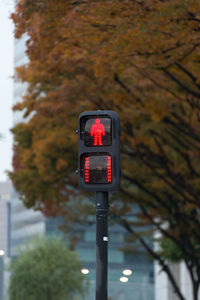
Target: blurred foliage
[(170, 251), (46, 269)]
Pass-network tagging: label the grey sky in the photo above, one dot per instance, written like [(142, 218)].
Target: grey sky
[(6, 88)]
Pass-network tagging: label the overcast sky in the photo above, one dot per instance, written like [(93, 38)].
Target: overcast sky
[(6, 86)]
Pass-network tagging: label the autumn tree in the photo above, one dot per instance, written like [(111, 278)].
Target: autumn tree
[(140, 58)]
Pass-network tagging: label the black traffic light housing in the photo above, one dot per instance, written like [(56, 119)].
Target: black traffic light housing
[(99, 150)]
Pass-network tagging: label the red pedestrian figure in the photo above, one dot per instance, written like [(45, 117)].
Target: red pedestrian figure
[(97, 131)]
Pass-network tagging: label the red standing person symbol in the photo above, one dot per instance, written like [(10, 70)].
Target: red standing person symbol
[(97, 131)]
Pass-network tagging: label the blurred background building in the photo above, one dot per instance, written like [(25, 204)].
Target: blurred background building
[(25, 223), (130, 275), (5, 223), (164, 289)]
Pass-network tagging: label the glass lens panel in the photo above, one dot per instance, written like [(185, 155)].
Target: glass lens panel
[(97, 132), (98, 169)]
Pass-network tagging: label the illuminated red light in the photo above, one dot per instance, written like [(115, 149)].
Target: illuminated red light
[(87, 172), (109, 169), (97, 169), (97, 132)]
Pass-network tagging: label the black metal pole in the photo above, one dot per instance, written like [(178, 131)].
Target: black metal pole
[(102, 245)]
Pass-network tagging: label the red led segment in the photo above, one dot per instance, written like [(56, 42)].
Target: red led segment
[(97, 131), (109, 169), (97, 169), (87, 172)]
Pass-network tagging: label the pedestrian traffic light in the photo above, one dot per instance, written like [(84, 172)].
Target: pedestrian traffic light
[(99, 150)]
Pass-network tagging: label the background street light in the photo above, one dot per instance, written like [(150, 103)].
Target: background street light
[(2, 252), (85, 271), (127, 272), (123, 279)]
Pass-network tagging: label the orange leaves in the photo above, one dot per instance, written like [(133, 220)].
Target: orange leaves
[(138, 58)]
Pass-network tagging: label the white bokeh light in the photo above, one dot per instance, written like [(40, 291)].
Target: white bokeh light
[(2, 252), (85, 271), (127, 272), (124, 279)]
